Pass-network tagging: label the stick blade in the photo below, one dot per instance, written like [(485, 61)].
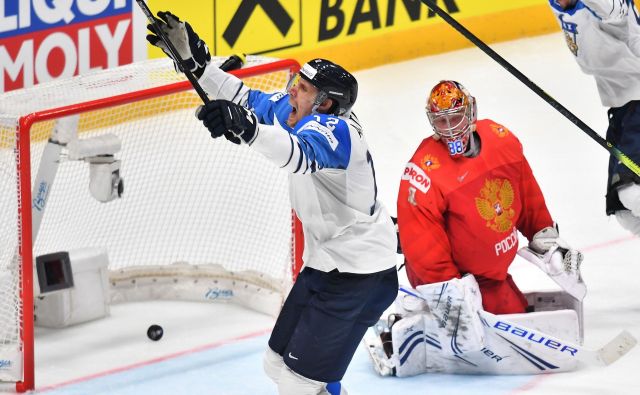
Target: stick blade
[(617, 347)]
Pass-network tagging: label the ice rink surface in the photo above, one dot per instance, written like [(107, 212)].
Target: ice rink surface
[(217, 349)]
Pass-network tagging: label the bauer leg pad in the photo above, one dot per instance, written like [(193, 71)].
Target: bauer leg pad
[(410, 341), (455, 306)]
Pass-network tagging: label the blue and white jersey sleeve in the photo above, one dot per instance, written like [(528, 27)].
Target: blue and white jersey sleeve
[(270, 108), (318, 142), (332, 183), (222, 85), (604, 37), (321, 141), (612, 11)]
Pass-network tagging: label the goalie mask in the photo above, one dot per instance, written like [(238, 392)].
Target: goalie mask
[(332, 81), (452, 114)]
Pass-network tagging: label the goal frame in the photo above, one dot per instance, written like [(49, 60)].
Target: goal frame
[(23, 163)]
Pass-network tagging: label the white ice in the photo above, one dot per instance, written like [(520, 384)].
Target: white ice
[(217, 349)]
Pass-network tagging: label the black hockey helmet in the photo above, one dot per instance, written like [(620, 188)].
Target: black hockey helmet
[(334, 82)]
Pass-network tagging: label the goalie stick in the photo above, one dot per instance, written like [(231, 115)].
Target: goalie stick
[(613, 150), (174, 53), (603, 356)]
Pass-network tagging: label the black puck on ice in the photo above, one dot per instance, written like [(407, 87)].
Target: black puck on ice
[(155, 332)]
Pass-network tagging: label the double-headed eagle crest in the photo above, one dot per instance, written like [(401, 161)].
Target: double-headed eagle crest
[(430, 162), (494, 204)]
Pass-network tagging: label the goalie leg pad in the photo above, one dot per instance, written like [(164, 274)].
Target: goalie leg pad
[(455, 305), (407, 304), (410, 342)]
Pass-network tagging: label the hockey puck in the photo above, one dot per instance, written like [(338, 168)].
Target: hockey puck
[(155, 332)]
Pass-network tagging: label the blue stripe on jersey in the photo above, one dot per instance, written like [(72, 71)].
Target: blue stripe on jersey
[(325, 140), (300, 157), (270, 106)]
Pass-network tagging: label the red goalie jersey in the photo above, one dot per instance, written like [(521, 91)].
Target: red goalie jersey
[(458, 216)]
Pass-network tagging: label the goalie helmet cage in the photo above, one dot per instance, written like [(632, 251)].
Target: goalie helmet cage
[(195, 213)]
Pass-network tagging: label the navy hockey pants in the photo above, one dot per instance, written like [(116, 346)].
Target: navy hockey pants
[(325, 317), (624, 133)]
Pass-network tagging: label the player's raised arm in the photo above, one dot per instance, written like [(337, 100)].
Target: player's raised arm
[(349, 277), (303, 131), (611, 11), (194, 52)]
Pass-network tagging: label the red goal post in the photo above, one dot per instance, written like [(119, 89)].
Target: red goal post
[(193, 211)]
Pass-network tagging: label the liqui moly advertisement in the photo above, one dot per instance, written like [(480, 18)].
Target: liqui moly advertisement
[(42, 40)]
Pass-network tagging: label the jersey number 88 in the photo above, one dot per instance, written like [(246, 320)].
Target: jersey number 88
[(455, 147)]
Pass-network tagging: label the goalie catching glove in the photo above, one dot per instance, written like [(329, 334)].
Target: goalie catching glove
[(560, 260), (225, 118), (193, 51)]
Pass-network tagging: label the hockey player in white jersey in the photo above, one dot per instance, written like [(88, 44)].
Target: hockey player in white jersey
[(349, 277), (604, 37)]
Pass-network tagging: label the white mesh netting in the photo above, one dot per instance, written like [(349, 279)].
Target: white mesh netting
[(187, 198)]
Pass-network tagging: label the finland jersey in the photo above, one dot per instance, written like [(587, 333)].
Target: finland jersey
[(332, 186), (604, 36)]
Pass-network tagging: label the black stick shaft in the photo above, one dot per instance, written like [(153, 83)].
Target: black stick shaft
[(535, 88), (174, 53)]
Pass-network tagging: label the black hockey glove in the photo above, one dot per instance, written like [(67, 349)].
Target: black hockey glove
[(225, 118), (193, 51)]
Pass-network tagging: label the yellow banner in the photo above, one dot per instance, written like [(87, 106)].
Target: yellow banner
[(356, 33)]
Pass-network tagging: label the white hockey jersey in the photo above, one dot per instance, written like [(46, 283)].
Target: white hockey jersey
[(604, 36), (332, 179)]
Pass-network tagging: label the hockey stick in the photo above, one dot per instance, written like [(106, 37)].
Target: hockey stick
[(515, 333), (603, 356), (613, 150), (174, 52)]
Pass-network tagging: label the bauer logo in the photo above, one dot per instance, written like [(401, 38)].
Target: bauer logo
[(42, 40), (535, 338), (5, 364)]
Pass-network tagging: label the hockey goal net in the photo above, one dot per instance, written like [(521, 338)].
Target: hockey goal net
[(199, 219)]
